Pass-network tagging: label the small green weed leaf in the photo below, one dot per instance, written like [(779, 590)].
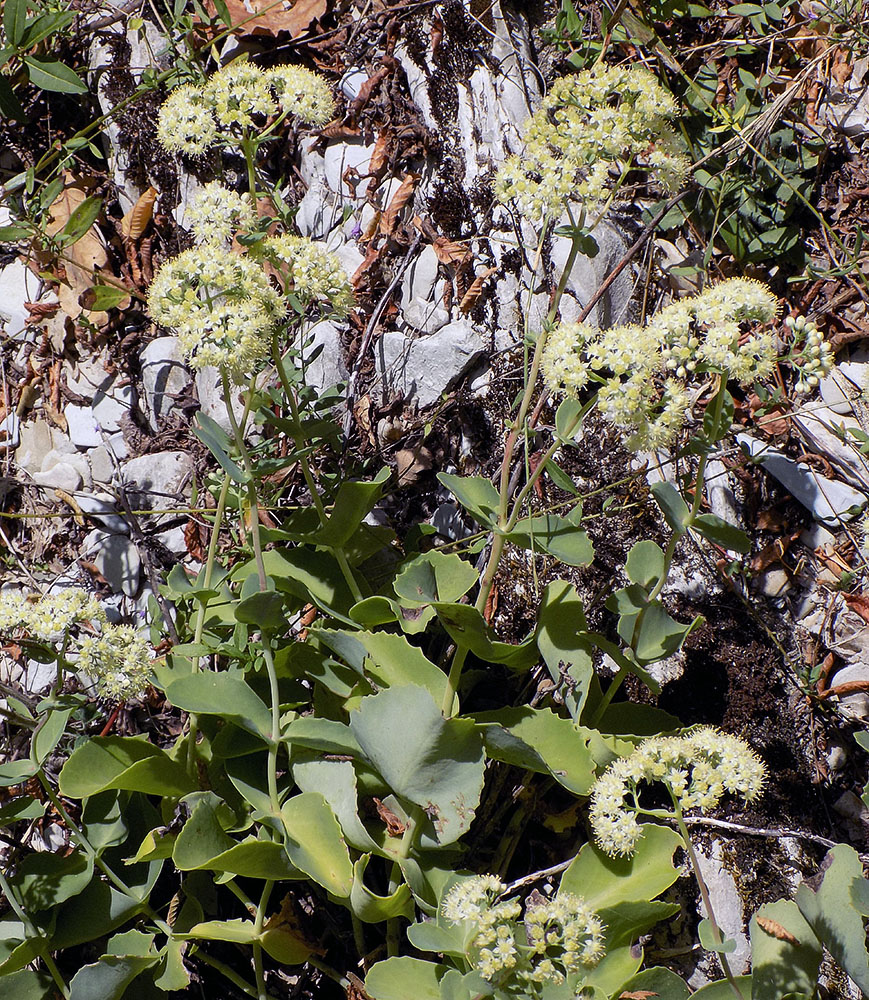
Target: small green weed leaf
[(400, 978), (657, 982), (49, 74), (717, 530), (106, 762), (568, 654), (266, 610), (432, 577), (722, 990), (839, 926), (352, 502), (14, 20), (568, 419), (540, 741), (216, 440), (234, 931), (44, 880), (11, 234), (373, 909), (558, 536), (306, 574), (48, 733), (335, 780), (80, 221), (476, 494), (108, 978), (387, 659), (645, 564), (222, 694), (17, 771), (44, 25), (673, 507), (604, 881), (325, 735), (709, 940), (28, 985), (467, 627), (106, 297), (785, 954), (433, 762), (315, 843), (561, 478)]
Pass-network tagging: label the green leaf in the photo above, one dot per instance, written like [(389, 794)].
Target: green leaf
[(234, 931), (604, 881), (96, 911), (433, 762), (44, 25), (476, 494), (387, 659), (11, 234), (108, 978), (352, 502), (44, 880), (432, 577), (28, 985), (778, 966), (335, 780), (404, 978), (307, 574), (659, 983), (467, 627), (445, 938), (722, 990), (558, 536), (540, 741), (325, 735), (568, 654), (673, 507), (223, 694), (836, 923), (645, 564), (14, 20), (567, 419), (48, 733), (49, 74), (215, 439), (709, 939), (17, 771), (80, 221), (10, 107), (315, 843), (284, 946), (106, 297), (373, 909), (717, 530), (267, 610), (106, 762), (22, 807)]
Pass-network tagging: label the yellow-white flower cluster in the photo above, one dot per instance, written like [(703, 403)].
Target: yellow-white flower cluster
[(217, 214), (310, 271), (236, 101), (220, 304), (697, 769), (645, 370), (49, 618), (815, 358), (590, 129), (556, 938), (118, 660)]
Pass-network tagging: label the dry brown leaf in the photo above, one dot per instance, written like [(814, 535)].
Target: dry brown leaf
[(469, 299), (411, 463), (394, 826), (266, 17), (379, 159), (362, 413), (55, 416), (859, 604), (370, 257), (194, 540), (84, 257), (367, 88), (775, 929), (401, 197), (450, 252), (136, 221), (70, 500)]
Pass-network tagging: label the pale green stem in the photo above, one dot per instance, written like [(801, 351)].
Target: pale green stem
[(408, 841), (305, 465), (704, 895), (33, 933), (259, 920), (79, 837), (228, 973)]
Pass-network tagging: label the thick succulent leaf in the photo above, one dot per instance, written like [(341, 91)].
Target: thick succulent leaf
[(785, 954)]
